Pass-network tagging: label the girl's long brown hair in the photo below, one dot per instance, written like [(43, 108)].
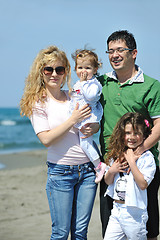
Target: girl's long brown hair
[(117, 147)]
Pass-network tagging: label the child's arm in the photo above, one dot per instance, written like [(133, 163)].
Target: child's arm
[(115, 168), (138, 176), (91, 90)]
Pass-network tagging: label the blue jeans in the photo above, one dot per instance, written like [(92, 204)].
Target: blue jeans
[(71, 192)]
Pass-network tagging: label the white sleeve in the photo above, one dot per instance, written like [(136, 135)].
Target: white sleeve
[(39, 119), (91, 89), (148, 168)]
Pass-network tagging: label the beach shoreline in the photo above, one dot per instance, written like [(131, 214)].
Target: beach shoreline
[(30, 158), (23, 202)]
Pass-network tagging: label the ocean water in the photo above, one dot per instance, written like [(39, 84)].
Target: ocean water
[(17, 134)]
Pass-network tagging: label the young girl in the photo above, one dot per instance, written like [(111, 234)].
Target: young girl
[(128, 176), (87, 91)]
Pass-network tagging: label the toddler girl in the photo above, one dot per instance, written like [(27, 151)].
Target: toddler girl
[(87, 90)]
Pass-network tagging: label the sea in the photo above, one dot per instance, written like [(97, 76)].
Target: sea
[(17, 134)]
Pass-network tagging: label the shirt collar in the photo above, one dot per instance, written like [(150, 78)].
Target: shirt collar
[(137, 78)]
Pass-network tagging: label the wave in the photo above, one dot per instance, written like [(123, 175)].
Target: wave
[(13, 145), (7, 122)]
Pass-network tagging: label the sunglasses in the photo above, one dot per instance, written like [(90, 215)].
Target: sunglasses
[(49, 70)]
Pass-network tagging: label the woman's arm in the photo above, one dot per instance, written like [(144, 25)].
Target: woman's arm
[(52, 136), (131, 158)]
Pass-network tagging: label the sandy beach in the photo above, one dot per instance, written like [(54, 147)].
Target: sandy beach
[(24, 212)]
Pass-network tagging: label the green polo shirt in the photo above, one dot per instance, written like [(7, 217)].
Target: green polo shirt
[(132, 96)]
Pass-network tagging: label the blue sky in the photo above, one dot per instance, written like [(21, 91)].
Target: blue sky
[(27, 26)]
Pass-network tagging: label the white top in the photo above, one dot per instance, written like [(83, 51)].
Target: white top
[(87, 92), (134, 196), (67, 150)]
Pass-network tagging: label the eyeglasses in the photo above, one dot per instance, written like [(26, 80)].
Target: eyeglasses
[(49, 70), (118, 50)]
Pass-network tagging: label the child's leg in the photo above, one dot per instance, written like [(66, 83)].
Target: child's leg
[(89, 149), (133, 221), (114, 230), (100, 170), (91, 152)]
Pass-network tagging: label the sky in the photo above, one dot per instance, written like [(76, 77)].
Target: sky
[(27, 26)]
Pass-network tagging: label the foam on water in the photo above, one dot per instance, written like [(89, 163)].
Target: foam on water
[(8, 123)]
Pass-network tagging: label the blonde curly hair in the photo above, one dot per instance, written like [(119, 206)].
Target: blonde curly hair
[(34, 85)]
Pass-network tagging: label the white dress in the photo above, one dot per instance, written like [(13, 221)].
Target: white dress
[(87, 92)]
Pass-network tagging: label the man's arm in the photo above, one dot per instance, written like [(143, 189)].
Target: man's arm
[(153, 138)]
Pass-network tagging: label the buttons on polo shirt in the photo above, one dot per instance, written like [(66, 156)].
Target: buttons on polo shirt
[(117, 100)]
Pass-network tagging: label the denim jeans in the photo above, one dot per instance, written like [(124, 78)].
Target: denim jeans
[(71, 192)]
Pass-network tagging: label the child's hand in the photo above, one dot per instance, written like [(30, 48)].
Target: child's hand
[(130, 156), (84, 76), (140, 149), (118, 166)]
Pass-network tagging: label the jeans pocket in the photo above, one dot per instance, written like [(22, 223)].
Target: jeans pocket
[(59, 170), (59, 175)]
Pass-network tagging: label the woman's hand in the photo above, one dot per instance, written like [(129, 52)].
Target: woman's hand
[(89, 129), (52, 136), (80, 114)]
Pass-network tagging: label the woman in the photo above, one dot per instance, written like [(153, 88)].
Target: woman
[(70, 185)]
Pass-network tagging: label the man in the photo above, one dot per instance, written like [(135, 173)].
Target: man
[(128, 89)]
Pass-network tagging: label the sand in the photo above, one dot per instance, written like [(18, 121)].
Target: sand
[(24, 211)]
